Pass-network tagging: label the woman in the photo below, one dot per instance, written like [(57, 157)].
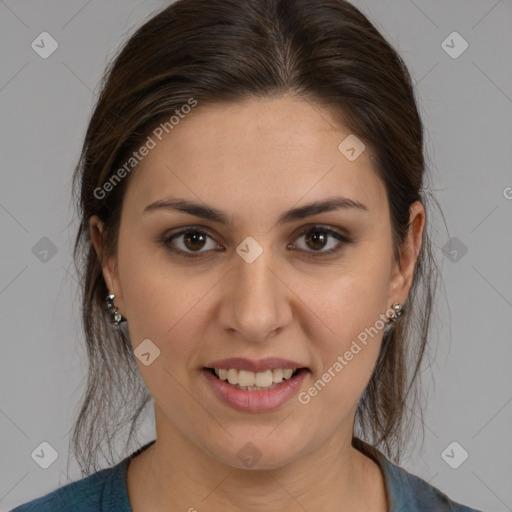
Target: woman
[(254, 244)]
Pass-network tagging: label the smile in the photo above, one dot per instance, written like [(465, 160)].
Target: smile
[(254, 381), (249, 391)]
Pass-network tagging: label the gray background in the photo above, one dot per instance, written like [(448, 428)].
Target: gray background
[(466, 103)]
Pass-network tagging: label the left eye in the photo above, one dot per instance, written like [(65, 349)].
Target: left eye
[(318, 236), (193, 240)]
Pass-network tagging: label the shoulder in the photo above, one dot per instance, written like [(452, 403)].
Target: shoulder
[(101, 491), (407, 491), (412, 493)]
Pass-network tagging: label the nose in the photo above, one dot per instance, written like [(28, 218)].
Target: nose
[(256, 304)]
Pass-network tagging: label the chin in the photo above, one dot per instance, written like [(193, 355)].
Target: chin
[(256, 455)]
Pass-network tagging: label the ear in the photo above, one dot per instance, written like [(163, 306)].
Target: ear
[(401, 280), (109, 265)]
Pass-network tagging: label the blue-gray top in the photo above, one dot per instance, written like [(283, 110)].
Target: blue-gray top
[(106, 490)]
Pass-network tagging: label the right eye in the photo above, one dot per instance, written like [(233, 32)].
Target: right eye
[(193, 239)]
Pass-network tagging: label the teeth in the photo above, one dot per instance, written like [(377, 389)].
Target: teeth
[(263, 379), (244, 379), (232, 376), (277, 375), (287, 373)]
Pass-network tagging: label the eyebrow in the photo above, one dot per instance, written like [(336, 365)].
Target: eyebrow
[(213, 214)]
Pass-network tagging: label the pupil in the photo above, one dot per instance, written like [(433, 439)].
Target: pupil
[(194, 238), (316, 237)]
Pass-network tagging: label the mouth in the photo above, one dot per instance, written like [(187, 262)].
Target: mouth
[(254, 392), (246, 380)]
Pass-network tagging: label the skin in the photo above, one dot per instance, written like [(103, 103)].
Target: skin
[(254, 160)]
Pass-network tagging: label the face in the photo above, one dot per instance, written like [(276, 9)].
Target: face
[(309, 289)]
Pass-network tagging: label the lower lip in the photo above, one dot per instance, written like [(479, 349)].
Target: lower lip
[(256, 401)]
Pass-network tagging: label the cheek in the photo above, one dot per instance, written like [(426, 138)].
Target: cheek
[(347, 311), (153, 294), (346, 301), (164, 304)]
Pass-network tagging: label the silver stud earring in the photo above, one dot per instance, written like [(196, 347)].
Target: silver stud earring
[(115, 317), (398, 311)]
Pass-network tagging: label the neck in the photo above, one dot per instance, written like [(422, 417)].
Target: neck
[(175, 474)]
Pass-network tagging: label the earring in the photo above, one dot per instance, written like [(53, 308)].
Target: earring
[(115, 317), (398, 311)]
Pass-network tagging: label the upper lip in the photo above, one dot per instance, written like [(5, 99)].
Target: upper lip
[(241, 363)]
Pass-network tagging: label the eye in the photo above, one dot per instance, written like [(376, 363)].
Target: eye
[(316, 241), (193, 240)]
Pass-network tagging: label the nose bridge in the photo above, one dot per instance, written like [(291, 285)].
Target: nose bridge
[(257, 306)]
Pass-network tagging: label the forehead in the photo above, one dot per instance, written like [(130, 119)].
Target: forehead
[(272, 152)]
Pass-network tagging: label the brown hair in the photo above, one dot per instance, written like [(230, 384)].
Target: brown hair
[(327, 53)]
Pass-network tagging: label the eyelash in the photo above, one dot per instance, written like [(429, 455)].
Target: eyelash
[(344, 240)]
